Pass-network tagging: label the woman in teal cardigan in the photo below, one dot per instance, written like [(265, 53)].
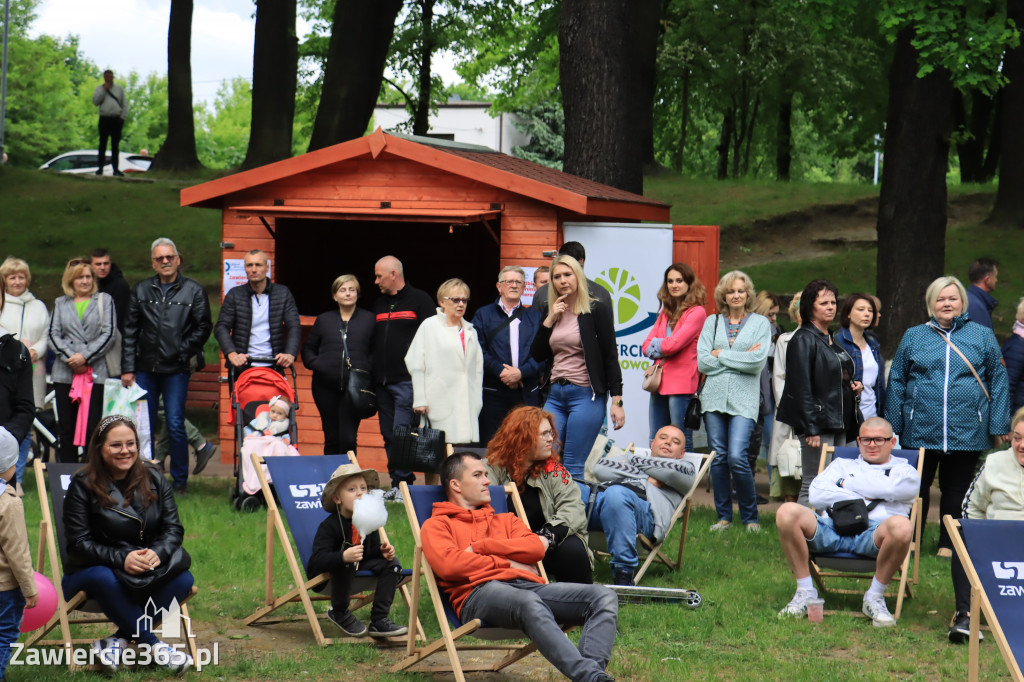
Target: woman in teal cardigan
[(732, 350)]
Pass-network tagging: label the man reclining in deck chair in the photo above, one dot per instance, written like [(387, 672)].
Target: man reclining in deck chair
[(874, 476), (642, 495), (485, 562)]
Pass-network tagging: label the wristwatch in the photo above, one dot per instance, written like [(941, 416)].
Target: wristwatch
[(550, 535), (617, 403)]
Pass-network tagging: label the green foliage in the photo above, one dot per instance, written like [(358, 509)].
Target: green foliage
[(545, 124), (146, 126), (222, 135)]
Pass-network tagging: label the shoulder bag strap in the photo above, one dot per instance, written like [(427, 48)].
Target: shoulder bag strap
[(509, 319), (964, 358)]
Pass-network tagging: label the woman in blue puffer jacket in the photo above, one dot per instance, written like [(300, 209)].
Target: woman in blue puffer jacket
[(935, 401)]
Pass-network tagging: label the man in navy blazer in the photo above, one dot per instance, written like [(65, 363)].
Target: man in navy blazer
[(506, 329)]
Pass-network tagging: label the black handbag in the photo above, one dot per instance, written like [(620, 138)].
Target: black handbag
[(144, 583), (693, 410), (357, 385), (417, 448), (850, 517)]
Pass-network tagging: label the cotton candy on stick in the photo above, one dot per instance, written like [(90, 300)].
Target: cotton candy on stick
[(368, 514)]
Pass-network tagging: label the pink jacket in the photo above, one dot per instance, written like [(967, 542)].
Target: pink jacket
[(679, 376)]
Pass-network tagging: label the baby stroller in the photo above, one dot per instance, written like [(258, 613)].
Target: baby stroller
[(250, 389)]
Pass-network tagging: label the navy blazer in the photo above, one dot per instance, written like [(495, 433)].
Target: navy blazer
[(498, 351)]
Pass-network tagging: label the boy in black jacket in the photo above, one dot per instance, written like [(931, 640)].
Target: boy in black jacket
[(338, 550)]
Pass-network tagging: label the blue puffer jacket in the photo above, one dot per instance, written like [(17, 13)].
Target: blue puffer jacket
[(933, 400), (1013, 354)]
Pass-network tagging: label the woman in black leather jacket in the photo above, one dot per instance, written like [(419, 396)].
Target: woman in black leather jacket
[(818, 400), (123, 540)]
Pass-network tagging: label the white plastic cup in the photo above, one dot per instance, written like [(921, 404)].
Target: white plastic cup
[(815, 610)]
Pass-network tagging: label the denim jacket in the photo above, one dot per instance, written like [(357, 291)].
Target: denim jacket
[(845, 339)]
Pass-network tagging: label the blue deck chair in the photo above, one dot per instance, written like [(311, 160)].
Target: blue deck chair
[(992, 554), (854, 566), (52, 481), (419, 501), (298, 482)]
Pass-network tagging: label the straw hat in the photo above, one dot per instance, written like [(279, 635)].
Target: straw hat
[(346, 471)]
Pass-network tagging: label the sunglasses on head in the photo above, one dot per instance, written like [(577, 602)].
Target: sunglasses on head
[(77, 261)]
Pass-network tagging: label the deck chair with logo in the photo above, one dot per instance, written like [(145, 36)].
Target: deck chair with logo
[(992, 554), (419, 501), (298, 482), (828, 568), (52, 481), (648, 549)]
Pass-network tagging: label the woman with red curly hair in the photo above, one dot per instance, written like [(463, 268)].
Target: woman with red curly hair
[(524, 451)]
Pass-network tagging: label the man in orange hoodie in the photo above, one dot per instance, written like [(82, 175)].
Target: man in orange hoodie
[(486, 563)]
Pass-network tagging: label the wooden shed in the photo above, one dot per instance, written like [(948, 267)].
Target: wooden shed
[(443, 209)]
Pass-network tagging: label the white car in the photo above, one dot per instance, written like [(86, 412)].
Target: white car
[(83, 161)]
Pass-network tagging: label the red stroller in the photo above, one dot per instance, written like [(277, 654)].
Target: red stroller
[(251, 388)]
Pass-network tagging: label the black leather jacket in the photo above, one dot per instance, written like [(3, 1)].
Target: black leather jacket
[(17, 408), (163, 333), (103, 536), (814, 399), (600, 352)]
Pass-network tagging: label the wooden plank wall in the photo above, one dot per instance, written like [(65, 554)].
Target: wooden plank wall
[(698, 247)]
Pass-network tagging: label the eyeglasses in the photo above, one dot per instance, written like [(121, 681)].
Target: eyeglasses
[(77, 261), (457, 300), (547, 435), (119, 447), (512, 282), (878, 442), (164, 259)]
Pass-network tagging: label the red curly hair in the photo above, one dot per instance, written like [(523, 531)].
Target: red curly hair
[(515, 442)]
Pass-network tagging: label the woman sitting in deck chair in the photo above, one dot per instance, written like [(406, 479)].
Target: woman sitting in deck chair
[(124, 543)]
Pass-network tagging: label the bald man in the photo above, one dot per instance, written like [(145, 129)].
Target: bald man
[(400, 309)]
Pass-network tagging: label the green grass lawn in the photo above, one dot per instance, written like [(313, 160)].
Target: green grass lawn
[(735, 635)]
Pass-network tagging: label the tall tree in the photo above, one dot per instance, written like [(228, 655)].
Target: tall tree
[(1009, 206), (604, 87), (178, 152), (274, 73), (360, 35)]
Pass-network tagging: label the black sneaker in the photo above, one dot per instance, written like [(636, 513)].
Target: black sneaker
[(118, 174), (385, 628), (349, 624), (203, 456), (960, 631), (181, 490), (622, 577)]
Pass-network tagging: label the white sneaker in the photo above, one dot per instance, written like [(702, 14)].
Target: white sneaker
[(394, 495), (797, 606), (174, 660), (110, 649), (878, 612)]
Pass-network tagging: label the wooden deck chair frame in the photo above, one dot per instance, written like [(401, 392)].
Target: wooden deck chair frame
[(824, 566), (448, 642), (46, 552), (304, 588), (979, 604), (654, 549)]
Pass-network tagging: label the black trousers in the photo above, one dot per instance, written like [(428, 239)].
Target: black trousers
[(110, 126), (498, 402), (67, 416), (955, 476), (961, 584), (389, 575), (569, 563), (339, 421)]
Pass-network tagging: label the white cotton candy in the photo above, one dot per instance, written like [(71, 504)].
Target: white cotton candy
[(369, 513)]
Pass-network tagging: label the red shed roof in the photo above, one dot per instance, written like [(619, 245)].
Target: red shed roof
[(548, 185)]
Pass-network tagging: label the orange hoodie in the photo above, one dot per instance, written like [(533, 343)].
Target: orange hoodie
[(496, 538)]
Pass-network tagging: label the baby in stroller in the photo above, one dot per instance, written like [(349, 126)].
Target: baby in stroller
[(266, 435)]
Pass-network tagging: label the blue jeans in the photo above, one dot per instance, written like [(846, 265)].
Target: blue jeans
[(670, 409), (827, 541), (174, 389), (538, 610), (126, 611), (394, 408), (578, 414), (729, 437), (621, 514), (12, 608), (23, 448)]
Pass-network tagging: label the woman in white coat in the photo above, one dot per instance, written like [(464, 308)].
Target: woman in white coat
[(447, 367)]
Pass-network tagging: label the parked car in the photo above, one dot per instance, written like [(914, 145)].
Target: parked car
[(83, 161)]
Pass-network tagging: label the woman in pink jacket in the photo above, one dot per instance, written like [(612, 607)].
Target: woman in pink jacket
[(673, 342)]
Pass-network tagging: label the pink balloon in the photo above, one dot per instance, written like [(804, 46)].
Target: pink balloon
[(44, 610)]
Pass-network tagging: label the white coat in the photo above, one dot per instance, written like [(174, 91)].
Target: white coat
[(447, 379), (26, 317)]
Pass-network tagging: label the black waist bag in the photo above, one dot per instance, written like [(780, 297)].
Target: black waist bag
[(850, 517)]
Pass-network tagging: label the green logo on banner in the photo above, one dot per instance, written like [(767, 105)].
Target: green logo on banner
[(625, 293)]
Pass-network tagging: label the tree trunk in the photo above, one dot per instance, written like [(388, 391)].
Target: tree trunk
[(178, 152), (1009, 206), (275, 60), (974, 130), (360, 37), (421, 117), (645, 41), (683, 119), (724, 140), (912, 203), (991, 165), (750, 135), (601, 93), (784, 136)]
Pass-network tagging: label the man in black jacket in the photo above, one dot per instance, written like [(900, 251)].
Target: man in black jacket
[(168, 323), (399, 310), (111, 281), (258, 319)]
